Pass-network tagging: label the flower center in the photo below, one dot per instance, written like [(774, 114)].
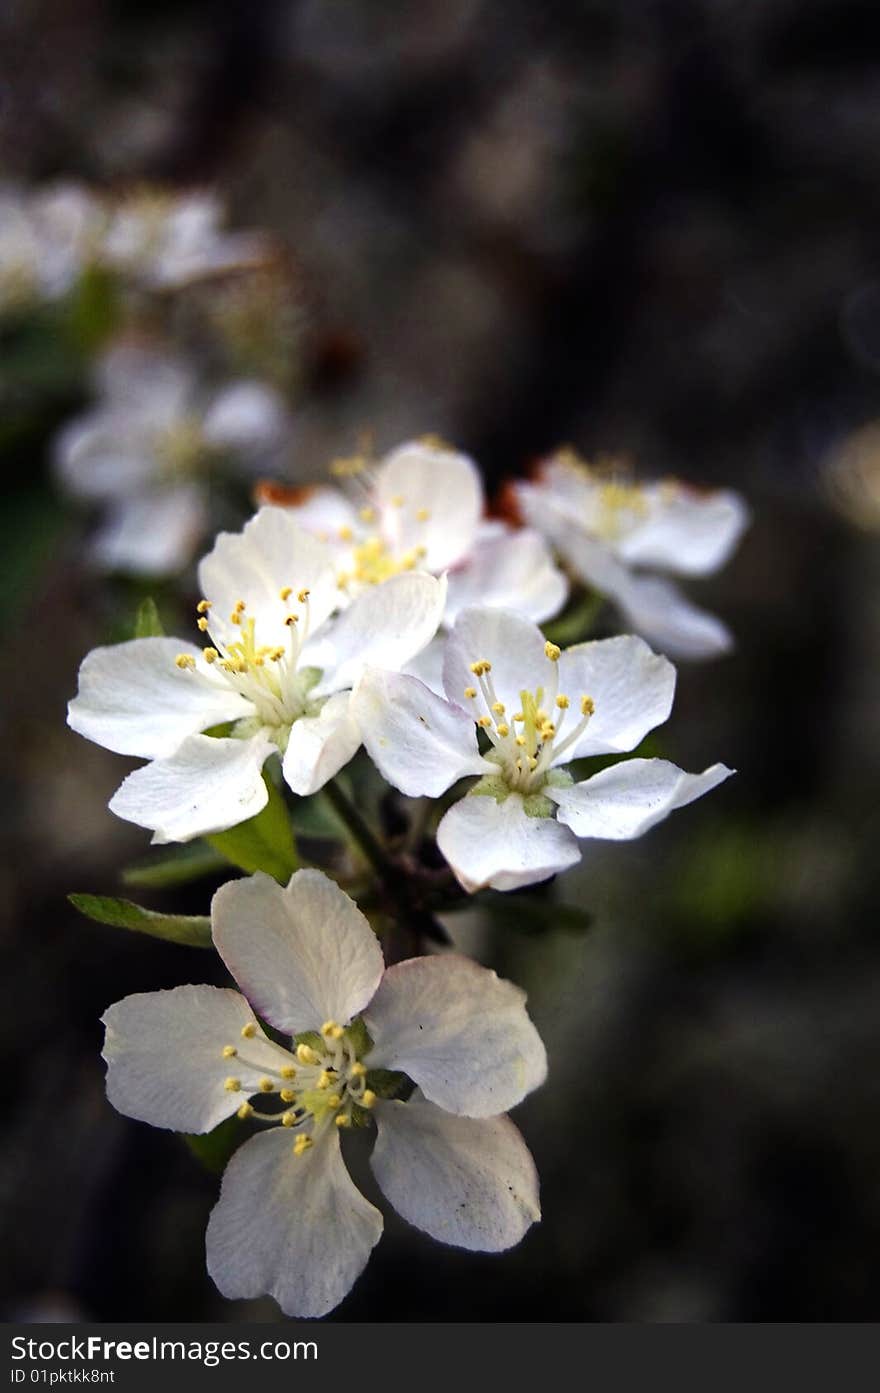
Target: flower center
[(616, 504), (181, 451), (316, 1084), (267, 675), (526, 743)]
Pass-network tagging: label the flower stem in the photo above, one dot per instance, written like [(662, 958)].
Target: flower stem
[(360, 830)]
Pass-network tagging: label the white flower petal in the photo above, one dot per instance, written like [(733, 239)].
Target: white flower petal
[(206, 786), (459, 1031), (151, 389), (303, 954), (246, 416), (420, 743), (631, 687), (685, 531), (513, 645), (152, 534), (466, 1182), (319, 746), (383, 627), (293, 1226), (134, 699), (513, 571), (497, 844), (429, 497), (104, 455), (629, 798), (657, 608), (164, 1053), (427, 666), (325, 512), (254, 565)]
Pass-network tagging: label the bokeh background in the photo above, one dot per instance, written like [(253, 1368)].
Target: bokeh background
[(642, 228)]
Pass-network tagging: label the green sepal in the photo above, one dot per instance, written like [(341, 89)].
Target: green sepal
[(312, 1038), (263, 843), (361, 1040), (192, 930), (147, 623), (178, 866), (214, 1149), (387, 1083)]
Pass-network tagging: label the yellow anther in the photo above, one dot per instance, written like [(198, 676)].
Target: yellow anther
[(276, 655), (498, 708), (343, 1119), (244, 1111), (552, 651), (470, 693), (368, 514), (306, 1055), (334, 1101), (481, 668), (288, 1119), (548, 730), (285, 592), (520, 740), (287, 1071), (184, 661), (235, 617), (210, 655), (518, 716), (287, 1095), (232, 1085), (345, 533), (203, 606), (324, 1079), (291, 620), (422, 514), (328, 1028), (563, 702), (485, 722), (368, 1098), (248, 1031), (229, 1051), (266, 1086), (303, 595), (588, 706), (533, 763), (239, 606), (503, 729), (203, 624), (398, 500), (358, 1070), (301, 1144)]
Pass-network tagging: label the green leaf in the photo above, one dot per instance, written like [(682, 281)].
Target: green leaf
[(178, 866), (263, 843), (189, 929), (147, 623), (215, 1148)]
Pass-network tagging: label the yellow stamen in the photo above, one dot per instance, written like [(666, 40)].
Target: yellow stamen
[(287, 1095), (358, 1070), (287, 1071), (552, 651), (470, 693), (503, 729), (301, 1144), (210, 655), (266, 1086), (285, 592), (232, 1085), (203, 624), (498, 708), (203, 606), (303, 595), (288, 1119), (368, 1098), (248, 1031), (422, 514), (229, 1051), (588, 706), (334, 1101), (306, 1055), (563, 702), (184, 661), (244, 1111), (343, 1119)]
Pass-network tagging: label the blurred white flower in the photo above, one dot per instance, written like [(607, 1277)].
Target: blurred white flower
[(289, 1220), (47, 238), (165, 239), (421, 508), (147, 449), (278, 669), (540, 708), (607, 528)]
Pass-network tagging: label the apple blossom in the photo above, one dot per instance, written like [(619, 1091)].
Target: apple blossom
[(289, 1219), (148, 448), (539, 708), (47, 237), (607, 528), (279, 668), (166, 239)]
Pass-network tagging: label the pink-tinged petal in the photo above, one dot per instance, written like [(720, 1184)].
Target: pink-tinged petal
[(293, 1226), (383, 627), (629, 798), (429, 498), (512, 571), (459, 1031), (514, 647), (498, 845), (420, 743), (134, 699), (206, 786), (631, 687), (302, 954), (165, 1061), (471, 1183), (319, 746)]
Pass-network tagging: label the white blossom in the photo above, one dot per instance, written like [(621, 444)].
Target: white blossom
[(164, 239), (615, 534), (539, 708), (289, 1220), (279, 668), (147, 450), (47, 238)]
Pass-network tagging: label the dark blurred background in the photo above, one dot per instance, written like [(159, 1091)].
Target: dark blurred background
[(644, 227)]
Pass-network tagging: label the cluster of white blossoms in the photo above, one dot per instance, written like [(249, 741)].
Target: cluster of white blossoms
[(387, 612), (290, 1221)]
